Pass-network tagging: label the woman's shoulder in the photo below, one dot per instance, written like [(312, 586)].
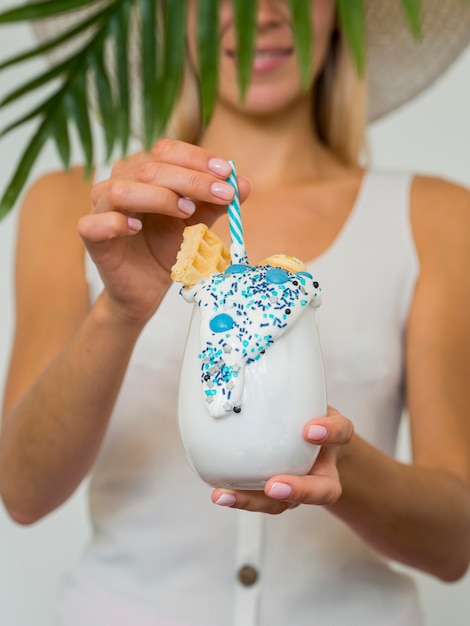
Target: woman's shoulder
[(48, 218), (438, 193), (58, 194), (440, 216)]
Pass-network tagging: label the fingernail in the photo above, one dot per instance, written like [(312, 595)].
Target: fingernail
[(317, 433), (224, 191), (134, 224), (226, 499), (220, 167), (280, 490), (186, 206)]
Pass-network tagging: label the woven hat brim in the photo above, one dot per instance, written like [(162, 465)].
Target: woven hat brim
[(398, 67)]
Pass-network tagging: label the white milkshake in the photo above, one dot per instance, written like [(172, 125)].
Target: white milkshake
[(252, 375), (252, 372)]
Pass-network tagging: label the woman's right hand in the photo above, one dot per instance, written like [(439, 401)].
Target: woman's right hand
[(134, 230)]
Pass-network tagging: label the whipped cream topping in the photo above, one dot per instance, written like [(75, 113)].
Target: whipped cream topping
[(243, 312)]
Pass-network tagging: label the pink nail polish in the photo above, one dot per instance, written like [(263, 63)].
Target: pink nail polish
[(317, 433), (224, 191), (220, 167), (226, 499), (186, 206), (134, 224), (280, 490)]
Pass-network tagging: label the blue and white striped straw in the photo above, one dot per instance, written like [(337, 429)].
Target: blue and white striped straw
[(237, 247)]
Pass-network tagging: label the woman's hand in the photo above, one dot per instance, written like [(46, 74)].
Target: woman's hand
[(135, 228), (320, 486)]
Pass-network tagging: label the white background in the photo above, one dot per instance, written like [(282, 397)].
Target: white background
[(430, 135)]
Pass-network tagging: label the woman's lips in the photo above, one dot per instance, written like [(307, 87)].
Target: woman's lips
[(268, 59)]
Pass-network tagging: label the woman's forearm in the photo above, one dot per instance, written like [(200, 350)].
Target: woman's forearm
[(415, 515), (51, 437)]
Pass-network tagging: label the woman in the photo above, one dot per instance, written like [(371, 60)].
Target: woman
[(93, 377)]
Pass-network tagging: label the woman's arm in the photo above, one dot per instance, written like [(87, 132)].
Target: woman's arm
[(420, 514), (417, 514), (68, 362)]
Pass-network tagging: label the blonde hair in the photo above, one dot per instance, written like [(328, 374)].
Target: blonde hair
[(339, 106)]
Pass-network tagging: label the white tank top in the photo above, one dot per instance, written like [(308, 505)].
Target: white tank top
[(163, 555)]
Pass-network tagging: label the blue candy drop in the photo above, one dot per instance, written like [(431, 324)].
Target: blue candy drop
[(277, 276), (221, 323)]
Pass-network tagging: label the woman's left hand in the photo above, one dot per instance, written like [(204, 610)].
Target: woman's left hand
[(320, 486)]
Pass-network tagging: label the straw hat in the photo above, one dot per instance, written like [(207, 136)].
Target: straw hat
[(399, 68)]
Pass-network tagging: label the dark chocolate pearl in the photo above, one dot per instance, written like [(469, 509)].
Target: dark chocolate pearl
[(294, 282), (315, 284), (287, 311), (207, 377), (237, 409)]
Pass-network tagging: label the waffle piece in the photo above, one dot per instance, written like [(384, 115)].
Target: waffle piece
[(202, 254), (289, 263)]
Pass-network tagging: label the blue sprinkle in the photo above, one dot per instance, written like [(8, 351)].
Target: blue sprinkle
[(221, 323)]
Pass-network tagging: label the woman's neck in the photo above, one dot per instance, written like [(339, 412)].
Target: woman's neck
[(282, 147)]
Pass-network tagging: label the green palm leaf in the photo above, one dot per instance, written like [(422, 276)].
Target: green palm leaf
[(351, 15), (43, 9), (245, 22), (303, 37), (119, 29), (76, 99), (413, 13), (24, 168), (34, 113), (54, 43), (104, 96), (37, 82), (162, 49), (208, 53), (60, 133), (169, 77), (148, 69)]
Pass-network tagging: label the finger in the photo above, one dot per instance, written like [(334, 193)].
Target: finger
[(187, 177), (135, 197), (97, 228), (190, 156), (331, 430), (244, 188), (249, 501), (175, 152), (185, 181), (157, 188), (129, 162), (196, 158), (321, 487)]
